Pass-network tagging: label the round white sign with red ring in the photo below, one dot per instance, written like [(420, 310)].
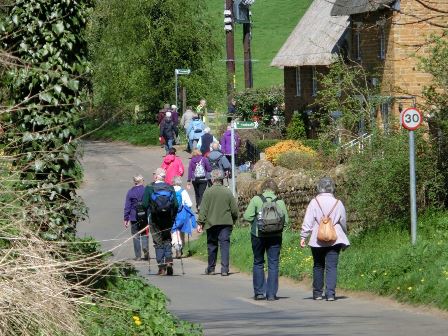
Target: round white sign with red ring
[(411, 118)]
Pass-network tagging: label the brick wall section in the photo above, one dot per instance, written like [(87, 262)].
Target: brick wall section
[(406, 34), (292, 101)]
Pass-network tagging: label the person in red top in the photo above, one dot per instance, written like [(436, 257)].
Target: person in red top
[(173, 166)]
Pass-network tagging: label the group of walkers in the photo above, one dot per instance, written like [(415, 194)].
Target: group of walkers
[(166, 209)]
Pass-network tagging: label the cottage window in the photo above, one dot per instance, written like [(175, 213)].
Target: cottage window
[(385, 109), (381, 41), (314, 82), (298, 83), (357, 42)]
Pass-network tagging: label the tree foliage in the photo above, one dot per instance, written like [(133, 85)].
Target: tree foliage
[(45, 73), (135, 46), (348, 91), (436, 96)]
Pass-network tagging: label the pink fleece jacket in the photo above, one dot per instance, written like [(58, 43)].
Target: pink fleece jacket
[(173, 166), (314, 214)]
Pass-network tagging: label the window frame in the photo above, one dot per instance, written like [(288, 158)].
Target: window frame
[(381, 40), (298, 82), (357, 55), (313, 81)]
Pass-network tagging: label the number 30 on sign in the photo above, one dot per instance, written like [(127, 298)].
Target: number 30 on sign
[(411, 119)]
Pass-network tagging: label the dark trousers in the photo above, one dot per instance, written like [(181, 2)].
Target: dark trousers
[(160, 228), (140, 241), (219, 234), (271, 246), (325, 266), (199, 187)]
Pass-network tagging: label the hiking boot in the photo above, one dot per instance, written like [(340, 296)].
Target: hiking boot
[(317, 298), (259, 297), (331, 298), (162, 270), (224, 273), (272, 298), (169, 269), (209, 272)]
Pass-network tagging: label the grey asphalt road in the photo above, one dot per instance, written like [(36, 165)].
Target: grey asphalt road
[(223, 305)]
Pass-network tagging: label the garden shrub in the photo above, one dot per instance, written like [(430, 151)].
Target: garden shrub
[(378, 179), (299, 160), (273, 152), (263, 144), (260, 104), (296, 128)]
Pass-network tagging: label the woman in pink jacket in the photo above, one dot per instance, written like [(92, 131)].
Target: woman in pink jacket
[(325, 253), (173, 166)]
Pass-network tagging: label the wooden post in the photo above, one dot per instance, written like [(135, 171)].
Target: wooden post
[(184, 99), (248, 79), (230, 49)]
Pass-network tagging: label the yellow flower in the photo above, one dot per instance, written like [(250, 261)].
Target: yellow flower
[(138, 322), (409, 288), (135, 318)]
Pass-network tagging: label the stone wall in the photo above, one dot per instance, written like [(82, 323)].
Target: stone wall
[(296, 188)]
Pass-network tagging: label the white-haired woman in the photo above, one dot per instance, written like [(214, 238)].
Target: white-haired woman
[(325, 253), (134, 198), (205, 142), (185, 220)]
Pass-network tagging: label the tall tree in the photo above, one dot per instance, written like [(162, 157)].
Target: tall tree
[(136, 45)]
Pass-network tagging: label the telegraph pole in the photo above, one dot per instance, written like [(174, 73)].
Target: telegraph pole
[(230, 48), (248, 79)]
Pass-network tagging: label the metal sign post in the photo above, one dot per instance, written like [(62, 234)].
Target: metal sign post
[(238, 125), (411, 119), (178, 72)]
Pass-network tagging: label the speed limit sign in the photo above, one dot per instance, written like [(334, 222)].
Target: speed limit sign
[(411, 119)]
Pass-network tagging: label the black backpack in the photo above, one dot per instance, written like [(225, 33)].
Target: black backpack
[(271, 218), (141, 215), (215, 163)]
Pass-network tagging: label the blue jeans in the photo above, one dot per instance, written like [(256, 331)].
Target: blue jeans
[(139, 240), (325, 266), (168, 144), (271, 246), (219, 234)]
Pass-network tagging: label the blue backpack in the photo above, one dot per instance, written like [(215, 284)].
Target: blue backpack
[(179, 199), (162, 199)]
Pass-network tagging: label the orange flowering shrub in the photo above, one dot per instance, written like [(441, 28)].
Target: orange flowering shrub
[(273, 152)]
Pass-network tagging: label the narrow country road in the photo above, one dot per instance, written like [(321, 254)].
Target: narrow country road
[(223, 305)]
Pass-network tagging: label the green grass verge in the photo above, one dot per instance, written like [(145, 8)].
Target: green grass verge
[(132, 307), (380, 261), (140, 135)]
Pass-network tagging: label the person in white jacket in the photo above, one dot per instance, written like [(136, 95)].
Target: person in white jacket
[(185, 204)]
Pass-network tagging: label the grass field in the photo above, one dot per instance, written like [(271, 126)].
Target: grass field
[(380, 261), (273, 21)]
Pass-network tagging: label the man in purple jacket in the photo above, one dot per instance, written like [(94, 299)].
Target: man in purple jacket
[(133, 197)]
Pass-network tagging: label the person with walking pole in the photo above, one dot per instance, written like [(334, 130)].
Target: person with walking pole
[(268, 216), (135, 215), (160, 201), (217, 216)]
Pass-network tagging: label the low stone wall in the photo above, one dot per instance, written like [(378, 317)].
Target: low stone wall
[(296, 188)]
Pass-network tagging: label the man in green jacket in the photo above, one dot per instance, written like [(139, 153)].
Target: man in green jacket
[(269, 243), (217, 216)]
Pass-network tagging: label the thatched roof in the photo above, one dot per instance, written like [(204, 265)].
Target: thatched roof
[(315, 39), (348, 7)]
